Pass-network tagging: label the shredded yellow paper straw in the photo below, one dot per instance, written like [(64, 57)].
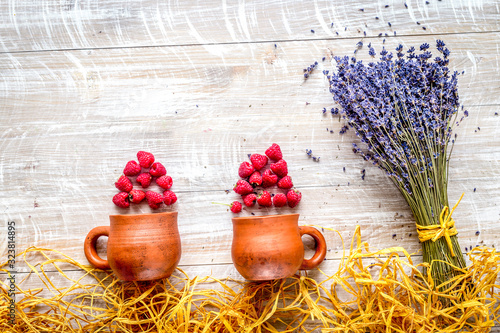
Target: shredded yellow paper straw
[(372, 291)]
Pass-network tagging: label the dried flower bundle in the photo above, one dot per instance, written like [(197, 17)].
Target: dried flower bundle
[(403, 109)]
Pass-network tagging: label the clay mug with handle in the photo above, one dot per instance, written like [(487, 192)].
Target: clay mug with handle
[(270, 247), (140, 247)]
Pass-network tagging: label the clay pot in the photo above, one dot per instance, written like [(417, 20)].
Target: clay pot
[(270, 247), (140, 247)]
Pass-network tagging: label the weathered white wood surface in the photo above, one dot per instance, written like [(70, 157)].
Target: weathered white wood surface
[(84, 85)]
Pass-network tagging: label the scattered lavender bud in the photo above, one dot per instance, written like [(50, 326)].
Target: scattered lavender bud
[(418, 23), (474, 189), (496, 113), (406, 5), (323, 59), (380, 34), (386, 6), (364, 33), (376, 17), (424, 28), (312, 31), (427, 2), (361, 9), (343, 169), (307, 71), (389, 23), (477, 233)]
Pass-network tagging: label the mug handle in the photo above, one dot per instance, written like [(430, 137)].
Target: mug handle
[(320, 253), (90, 247)]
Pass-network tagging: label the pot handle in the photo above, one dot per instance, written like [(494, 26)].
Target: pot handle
[(320, 253), (90, 249)]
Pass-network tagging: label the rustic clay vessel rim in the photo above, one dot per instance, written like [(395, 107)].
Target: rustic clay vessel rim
[(143, 215), (261, 217)]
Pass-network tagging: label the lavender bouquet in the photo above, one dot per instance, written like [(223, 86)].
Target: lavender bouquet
[(403, 109)]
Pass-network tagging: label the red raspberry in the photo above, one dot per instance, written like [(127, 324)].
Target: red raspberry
[(250, 199), (264, 199), (235, 207), (279, 200), (132, 169), (169, 198), (157, 170), (285, 183), (280, 168), (293, 197), (144, 179), (121, 200), (154, 199), (242, 187), (245, 170), (255, 179), (274, 152), (124, 184), (145, 159), (269, 178), (258, 161), (136, 196), (164, 182)]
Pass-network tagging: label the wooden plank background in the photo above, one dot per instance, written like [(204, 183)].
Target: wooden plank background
[(84, 85)]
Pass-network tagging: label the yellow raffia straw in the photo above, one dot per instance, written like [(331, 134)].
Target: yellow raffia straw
[(371, 291), (445, 228)]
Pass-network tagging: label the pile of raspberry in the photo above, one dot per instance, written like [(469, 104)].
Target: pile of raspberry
[(256, 178), (152, 171)]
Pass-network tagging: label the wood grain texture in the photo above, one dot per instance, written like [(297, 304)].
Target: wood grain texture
[(84, 85), (69, 24)]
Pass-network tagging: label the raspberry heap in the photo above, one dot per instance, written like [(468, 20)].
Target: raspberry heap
[(145, 170), (261, 173)]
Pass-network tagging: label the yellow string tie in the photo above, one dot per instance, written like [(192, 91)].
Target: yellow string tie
[(445, 228)]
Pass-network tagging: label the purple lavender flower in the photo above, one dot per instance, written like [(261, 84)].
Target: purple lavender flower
[(402, 109)]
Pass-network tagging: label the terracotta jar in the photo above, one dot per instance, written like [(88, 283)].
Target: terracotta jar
[(270, 247), (140, 247)]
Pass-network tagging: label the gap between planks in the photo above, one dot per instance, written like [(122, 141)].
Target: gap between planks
[(246, 42)]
